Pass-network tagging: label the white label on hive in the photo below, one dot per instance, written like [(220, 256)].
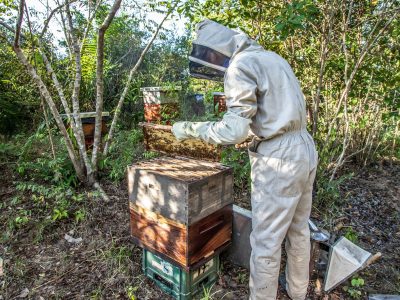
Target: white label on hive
[(167, 268), (156, 264), (164, 267)]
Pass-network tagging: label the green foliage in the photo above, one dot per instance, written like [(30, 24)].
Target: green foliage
[(22, 218), (240, 162), (354, 290), (18, 97), (58, 171), (242, 277), (6, 7), (130, 292), (207, 293), (79, 215), (117, 256), (294, 16), (351, 235), (150, 154), (59, 213), (7, 151), (125, 148), (327, 191), (309, 35), (57, 201), (36, 162)]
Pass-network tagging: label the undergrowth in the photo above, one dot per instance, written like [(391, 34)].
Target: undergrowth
[(240, 162), (125, 149)]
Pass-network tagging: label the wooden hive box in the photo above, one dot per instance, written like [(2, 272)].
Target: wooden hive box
[(161, 103), (182, 189), (185, 245)]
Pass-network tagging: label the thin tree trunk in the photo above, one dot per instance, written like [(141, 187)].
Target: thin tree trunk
[(46, 95), (128, 83), (368, 45), (46, 119), (100, 80), (46, 23), (75, 102), (56, 83)]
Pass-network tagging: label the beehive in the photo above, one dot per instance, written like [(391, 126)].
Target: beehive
[(88, 120), (161, 104), (157, 113), (182, 189)]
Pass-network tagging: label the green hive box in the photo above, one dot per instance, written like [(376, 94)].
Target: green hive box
[(178, 283)]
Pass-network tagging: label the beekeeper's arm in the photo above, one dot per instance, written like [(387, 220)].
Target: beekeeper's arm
[(240, 91)]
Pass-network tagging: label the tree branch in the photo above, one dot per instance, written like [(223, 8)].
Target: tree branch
[(19, 23), (89, 22), (8, 27), (46, 23), (371, 40), (46, 95)]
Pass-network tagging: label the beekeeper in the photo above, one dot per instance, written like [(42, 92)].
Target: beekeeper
[(263, 97)]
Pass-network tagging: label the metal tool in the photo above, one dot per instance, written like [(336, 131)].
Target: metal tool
[(317, 234)]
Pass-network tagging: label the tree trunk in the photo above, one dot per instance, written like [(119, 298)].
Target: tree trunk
[(46, 95), (100, 81)]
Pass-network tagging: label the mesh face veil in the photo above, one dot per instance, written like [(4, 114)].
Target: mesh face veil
[(207, 63)]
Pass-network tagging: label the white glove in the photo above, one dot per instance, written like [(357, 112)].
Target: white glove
[(179, 130)]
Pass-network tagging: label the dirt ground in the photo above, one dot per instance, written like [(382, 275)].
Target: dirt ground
[(39, 263)]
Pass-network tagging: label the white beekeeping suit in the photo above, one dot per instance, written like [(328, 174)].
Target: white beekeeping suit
[(264, 96)]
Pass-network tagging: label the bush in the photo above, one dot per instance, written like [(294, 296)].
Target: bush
[(240, 162), (126, 147)]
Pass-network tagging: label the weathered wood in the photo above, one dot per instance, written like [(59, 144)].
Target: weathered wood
[(220, 101), (209, 234), (159, 138), (179, 188), (164, 112), (159, 233), (185, 245)]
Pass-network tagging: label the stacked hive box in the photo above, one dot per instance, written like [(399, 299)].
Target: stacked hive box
[(181, 208), (160, 104), (181, 214)]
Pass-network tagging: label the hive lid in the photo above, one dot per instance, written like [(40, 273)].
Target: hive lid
[(90, 114), (181, 168), (160, 88)]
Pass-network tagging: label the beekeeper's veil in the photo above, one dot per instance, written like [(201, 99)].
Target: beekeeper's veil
[(213, 49)]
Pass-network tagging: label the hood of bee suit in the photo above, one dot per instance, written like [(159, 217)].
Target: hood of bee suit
[(213, 49)]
